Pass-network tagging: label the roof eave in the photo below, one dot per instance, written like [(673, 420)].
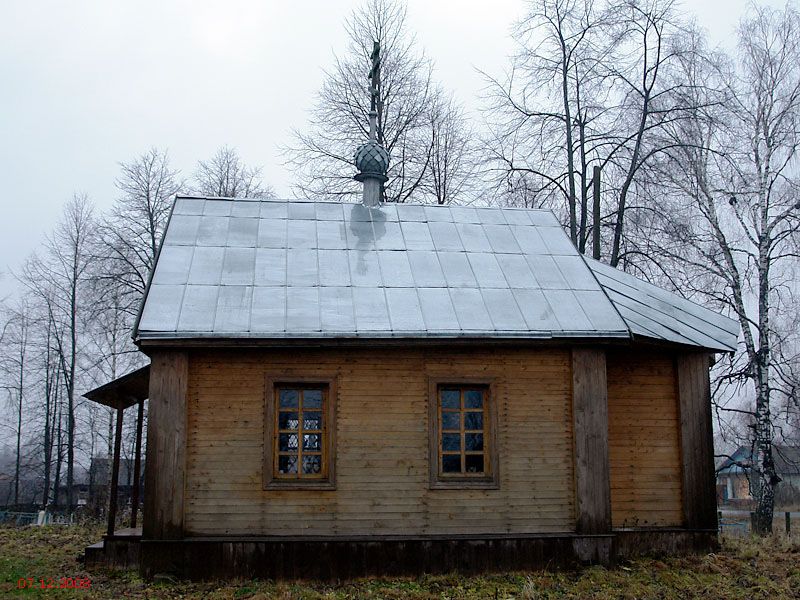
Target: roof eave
[(151, 340)]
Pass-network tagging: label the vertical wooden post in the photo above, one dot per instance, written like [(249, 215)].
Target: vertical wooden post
[(165, 466), (137, 465), (112, 501), (788, 523), (697, 441), (590, 425)]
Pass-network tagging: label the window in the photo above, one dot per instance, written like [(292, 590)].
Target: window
[(299, 425), (462, 432)]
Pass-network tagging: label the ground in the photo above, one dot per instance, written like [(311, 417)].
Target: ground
[(744, 568)]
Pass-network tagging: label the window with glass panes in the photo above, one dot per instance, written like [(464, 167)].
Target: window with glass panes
[(300, 430), (463, 426)]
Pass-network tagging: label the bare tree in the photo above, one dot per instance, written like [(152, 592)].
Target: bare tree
[(453, 160), (588, 88), (130, 234), (51, 396), (409, 107), (225, 175), (112, 354), (550, 94), (58, 278), (737, 237), (15, 371)]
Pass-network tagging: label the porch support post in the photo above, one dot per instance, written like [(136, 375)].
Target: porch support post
[(112, 501), (137, 465), (165, 466), (590, 427), (697, 441)]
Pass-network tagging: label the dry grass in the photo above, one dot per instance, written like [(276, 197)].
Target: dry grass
[(743, 569)]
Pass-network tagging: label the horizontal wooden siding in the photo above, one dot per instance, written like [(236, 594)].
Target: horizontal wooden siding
[(644, 440), (382, 445)]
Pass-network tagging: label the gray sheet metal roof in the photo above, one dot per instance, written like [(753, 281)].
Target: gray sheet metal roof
[(277, 269), (652, 312)]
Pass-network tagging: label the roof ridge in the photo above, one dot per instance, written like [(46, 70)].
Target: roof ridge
[(186, 196)]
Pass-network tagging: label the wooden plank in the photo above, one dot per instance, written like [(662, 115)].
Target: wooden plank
[(165, 467), (697, 442), (590, 426), (381, 428), (644, 439)]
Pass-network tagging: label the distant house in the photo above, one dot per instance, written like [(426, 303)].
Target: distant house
[(99, 477), (735, 475)]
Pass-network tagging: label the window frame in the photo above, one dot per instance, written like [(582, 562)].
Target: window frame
[(490, 479), (270, 479)]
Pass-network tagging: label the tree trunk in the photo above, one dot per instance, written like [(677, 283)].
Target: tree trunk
[(596, 213), (573, 219), (623, 194), (71, 380), (582, 237), (19, 448), (23, 332), (59, 458), (50, 427), (767, 477)]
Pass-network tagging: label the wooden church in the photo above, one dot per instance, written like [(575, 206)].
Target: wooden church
[(341, 389), (338, 389)]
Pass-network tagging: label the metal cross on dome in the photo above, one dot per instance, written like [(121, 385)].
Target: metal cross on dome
[(375, 75), (372, 159)]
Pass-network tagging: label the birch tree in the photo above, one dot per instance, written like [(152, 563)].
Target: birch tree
[(737, 237)]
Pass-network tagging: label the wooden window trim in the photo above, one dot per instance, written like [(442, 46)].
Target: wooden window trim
[(490, 481), (270, 482)]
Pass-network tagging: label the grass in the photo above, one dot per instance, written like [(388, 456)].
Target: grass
[(746, 568)]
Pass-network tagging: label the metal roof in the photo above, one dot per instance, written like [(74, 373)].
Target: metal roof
[(291, 269), (653, 312), (787, 460)]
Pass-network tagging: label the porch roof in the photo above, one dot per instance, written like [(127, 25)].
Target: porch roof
[(123, 391)]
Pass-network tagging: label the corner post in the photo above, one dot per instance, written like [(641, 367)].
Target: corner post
[(697, 441), (590, 427), (165, 463)]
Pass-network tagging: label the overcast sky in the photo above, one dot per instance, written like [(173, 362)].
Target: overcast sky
[(86, 84)]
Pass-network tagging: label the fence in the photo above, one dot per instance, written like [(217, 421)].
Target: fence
[(739, 523), (20, 519)]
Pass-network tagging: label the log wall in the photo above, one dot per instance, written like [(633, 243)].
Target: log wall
[(382, 480)]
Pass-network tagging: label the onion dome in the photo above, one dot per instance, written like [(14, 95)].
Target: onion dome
[(372, 162)]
